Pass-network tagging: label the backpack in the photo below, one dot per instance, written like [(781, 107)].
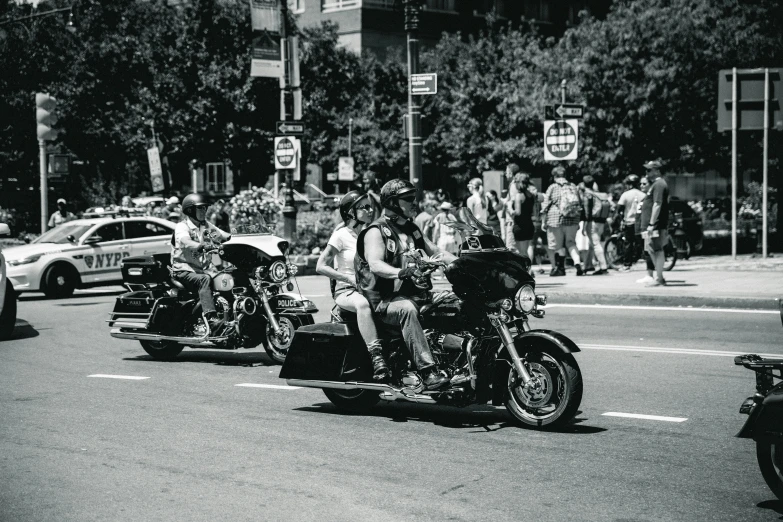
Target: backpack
[(601, 206), (570, 206)]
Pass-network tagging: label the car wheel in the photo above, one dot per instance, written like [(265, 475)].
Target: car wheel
[(8, 316), (59, 282)]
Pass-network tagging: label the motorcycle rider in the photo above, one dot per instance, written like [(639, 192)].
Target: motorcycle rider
[(385, 278), (188, 265), (356, 211)]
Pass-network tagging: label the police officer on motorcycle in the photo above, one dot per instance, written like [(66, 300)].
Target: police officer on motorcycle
[(388, 282), (191, 237)]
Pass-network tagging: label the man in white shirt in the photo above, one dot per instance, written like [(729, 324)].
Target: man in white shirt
[(477, 203), (627, 209), (188, 264)]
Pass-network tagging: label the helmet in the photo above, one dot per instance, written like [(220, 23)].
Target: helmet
[(632, 180), (190, 201), (392, 191), (348, 202)]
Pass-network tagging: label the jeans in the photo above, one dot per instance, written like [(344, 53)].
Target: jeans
[(201, 283), (631, 245), (405, 313)]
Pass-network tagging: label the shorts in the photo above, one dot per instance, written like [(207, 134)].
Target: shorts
[(524, 232), (561, 237), (656, 244)]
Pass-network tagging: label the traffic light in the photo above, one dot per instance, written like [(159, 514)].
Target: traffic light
[(45, 116)]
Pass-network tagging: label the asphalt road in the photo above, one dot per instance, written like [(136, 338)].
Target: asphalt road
[(187, 441)]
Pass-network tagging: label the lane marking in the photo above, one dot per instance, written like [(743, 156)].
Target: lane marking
[(645, 417), (663, 349), (272, 386), (128, 377), (665, 308)]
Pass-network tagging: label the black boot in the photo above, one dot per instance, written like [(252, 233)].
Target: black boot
[(579, 270), (433, 379), (559, 269), (380, 371)]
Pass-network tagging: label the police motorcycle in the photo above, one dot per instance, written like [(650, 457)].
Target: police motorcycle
[(765, 416), (252, 285), (479, 334)]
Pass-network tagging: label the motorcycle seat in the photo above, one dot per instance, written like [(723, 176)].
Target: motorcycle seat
[(176, 284), (387, 331)]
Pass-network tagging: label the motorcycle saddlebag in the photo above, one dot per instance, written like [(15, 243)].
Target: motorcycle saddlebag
[(133, 309), (327, 352), (145, 269)]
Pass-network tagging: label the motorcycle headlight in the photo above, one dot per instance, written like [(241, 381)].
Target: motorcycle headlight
[(25, 260), (526, 299), (278, 272)]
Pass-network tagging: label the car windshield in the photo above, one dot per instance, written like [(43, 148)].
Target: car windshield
[(258, 227), (60, 233)]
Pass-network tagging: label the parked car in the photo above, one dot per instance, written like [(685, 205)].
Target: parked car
[(7, 294), (685, 227), (85, 252)]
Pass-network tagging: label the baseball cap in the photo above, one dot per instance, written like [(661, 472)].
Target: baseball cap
[(445, 206), (653, 164), (61, 200), (173, 200), (558, 172)]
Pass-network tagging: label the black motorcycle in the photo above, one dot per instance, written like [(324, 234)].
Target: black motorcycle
[(251, 282), (479, 335), (765, 416)]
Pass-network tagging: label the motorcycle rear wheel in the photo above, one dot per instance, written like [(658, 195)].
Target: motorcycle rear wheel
[(355, 401), (560, 394), (770, 457), (670, 255), (162, 350)]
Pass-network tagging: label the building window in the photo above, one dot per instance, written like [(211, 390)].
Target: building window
[(296, 6), (449, 6), (216, 177), (336, 5), (379, 4), (538, 10), (487, 6)]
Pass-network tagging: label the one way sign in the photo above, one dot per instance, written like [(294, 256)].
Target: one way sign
[(564, 110), (289, 128)]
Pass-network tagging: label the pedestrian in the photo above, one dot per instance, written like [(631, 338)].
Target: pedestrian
[(562, 209), (424, 218), (503, 214), (61, 215), (512, 169), (495, 206), (596, 210), (172, 207), (524, 202), (220, 215), (477, 202), (444, 236), (628, 206), (655, 222)]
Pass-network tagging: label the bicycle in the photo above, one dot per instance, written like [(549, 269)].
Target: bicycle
[(616, 246)]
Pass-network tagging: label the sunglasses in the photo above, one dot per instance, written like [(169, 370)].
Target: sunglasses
[(409, 199), (200, 207), (366, 208)]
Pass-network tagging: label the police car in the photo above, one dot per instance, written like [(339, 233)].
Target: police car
[(84, 252)]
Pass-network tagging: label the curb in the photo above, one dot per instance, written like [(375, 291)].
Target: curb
[(743, 303)]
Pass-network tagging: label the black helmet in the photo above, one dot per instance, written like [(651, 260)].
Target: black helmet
[(632, 180), (190, 201), (348, 202), (392, 191)]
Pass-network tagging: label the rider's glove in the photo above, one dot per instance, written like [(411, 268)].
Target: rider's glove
[(408, 272)]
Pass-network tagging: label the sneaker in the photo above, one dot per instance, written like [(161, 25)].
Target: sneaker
[(625, 269), (645, 279), (656, 282), (588, 270), (434, 380), (601, 271)]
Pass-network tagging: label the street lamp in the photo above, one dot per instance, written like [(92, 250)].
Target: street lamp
[(412, 10)]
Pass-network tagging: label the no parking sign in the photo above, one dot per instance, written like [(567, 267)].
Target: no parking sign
[(560, 139)]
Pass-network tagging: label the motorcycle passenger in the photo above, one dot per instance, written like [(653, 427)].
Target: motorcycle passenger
[(188, 264), (356, 211), (385, 278)]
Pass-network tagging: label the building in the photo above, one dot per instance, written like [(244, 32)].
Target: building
[(377, 25)]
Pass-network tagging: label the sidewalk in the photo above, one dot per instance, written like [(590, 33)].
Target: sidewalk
[(702, 281)]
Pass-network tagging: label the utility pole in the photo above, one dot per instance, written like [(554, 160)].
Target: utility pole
[(44, 187), (289, 209), (412, 9)]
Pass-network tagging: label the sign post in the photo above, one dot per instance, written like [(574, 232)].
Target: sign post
[(561, 138)]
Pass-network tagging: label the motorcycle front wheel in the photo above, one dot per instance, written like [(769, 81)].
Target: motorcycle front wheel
[(770, 457), (162, 350), (356, 401), (277, 346), (554, 398)]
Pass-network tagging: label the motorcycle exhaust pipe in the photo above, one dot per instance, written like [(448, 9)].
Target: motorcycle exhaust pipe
[(388, 392), (137, 336)]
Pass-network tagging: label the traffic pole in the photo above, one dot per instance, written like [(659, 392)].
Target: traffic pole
[(412, 11), (44, 187), (289, 208)]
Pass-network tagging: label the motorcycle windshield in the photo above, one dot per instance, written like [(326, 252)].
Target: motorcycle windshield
[(259, 226), (468, 224)]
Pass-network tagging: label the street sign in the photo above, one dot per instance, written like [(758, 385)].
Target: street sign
[(285, 152), (331, 176), (424, 83), (560, 139), (560, 111), (345, 169), (750, 99), (156, 169), (289, 128)]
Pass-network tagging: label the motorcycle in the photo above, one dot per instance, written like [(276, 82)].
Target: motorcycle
[(252, 289), (765, 416), (479, 334)]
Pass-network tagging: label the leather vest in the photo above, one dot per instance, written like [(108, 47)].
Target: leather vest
[(378, 290)]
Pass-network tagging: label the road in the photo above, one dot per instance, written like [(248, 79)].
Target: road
[(189, 440)]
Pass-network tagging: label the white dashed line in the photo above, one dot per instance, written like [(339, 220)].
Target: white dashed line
[(645, 417), (664, 349), (664, 308), (128, 377), (272, 386)]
